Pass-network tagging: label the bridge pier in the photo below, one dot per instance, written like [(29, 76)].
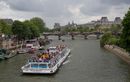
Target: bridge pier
[(45, 36), (85, 36), (59, 37), (72, 36), (98, 36)]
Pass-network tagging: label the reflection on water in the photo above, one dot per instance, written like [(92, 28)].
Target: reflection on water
[(87, 63)]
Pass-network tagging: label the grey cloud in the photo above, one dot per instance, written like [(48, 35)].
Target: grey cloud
[(101, 7), (94, 8), (57, 10), (47, 7), (24, 5), (115, 2)]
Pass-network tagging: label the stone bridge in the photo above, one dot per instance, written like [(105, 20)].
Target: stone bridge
[(72, 34)]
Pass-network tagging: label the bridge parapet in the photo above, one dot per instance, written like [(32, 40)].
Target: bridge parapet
[(72, 34)]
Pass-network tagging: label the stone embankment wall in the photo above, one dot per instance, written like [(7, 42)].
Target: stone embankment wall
[(123, 54)]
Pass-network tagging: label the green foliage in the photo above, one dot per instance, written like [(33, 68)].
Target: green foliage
[(29, 29), (105, 30), (115, 28), (112, 41), (20, 30), (5, 28), (108, 38), (39, 23), (24, 30), (57, 29), (82, 29), (97, 27), (91, 30), (47, 29), (105, 38), (33, 30), (125, 36)]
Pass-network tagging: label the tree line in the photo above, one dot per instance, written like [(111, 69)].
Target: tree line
[(27, 29)]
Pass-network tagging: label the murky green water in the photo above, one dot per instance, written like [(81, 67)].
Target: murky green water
[(86, 63)]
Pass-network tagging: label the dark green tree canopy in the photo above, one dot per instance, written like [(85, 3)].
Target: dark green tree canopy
[(5, 28), (33, 30), (38, 22), (125, 36), (20, 30)]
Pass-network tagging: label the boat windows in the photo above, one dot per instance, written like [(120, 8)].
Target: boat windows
[(34, 65), (38, 65), (42, 65), (52, 49)]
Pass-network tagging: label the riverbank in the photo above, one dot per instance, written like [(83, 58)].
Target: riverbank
[(123, 54)]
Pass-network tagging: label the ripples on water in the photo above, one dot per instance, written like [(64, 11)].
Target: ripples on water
[(86, 63)]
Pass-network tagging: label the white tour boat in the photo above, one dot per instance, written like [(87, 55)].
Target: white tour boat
[(48, 62)]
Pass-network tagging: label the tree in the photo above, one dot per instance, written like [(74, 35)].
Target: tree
[(97, 27), (33, 30), (125, 36), (5, 28), (105, 39), (20, 30), (39, 23), (27, 25), (80, 29), (46, 29), (115, 28)]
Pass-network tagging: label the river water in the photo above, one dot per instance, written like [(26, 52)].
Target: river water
[(86, 63)]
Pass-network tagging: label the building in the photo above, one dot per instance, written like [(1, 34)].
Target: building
[(104, 22), (117, 20), (57, 25), (69, 26)]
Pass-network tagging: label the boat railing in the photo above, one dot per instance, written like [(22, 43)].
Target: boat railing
[(54, 60), (38, 61)]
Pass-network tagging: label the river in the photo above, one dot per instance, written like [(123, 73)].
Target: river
[(86, 63)]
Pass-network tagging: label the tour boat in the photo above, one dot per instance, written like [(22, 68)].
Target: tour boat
[(32, 44), (48, 62)]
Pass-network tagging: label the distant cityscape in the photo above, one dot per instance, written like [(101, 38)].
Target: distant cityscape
[(103, 21)]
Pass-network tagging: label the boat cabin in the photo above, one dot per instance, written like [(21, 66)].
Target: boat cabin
[(32, 44), (35, 65)]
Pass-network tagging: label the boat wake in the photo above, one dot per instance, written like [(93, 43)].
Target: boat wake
[(70, 56), (66, 62)]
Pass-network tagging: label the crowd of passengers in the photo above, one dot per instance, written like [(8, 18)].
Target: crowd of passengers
[(47, 54)]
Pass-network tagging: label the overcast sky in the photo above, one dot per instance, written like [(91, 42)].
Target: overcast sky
[(63, 11)]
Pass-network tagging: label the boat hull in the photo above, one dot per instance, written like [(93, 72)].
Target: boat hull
[(2, 57), (10, 55), (46, 71)]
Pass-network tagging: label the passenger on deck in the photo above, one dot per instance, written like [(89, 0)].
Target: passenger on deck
[(40, 59)]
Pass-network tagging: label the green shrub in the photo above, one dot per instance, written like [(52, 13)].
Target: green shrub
[(108, 38)]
